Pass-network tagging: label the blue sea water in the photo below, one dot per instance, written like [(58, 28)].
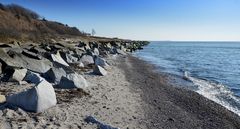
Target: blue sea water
[(212, 67)]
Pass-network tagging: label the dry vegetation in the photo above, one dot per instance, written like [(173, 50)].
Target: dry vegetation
[(18, 23)]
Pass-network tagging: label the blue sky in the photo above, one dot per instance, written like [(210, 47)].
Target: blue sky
[(146, 19)]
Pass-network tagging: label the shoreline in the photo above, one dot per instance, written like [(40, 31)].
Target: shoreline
[(174, 107), (131, 95)]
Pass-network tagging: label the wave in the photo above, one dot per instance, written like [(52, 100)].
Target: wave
[(216, 92)]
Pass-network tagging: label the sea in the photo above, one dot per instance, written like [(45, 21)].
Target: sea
[(212, 68)]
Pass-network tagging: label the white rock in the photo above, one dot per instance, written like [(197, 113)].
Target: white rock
[(18, 75), (101, 62), (96, 51), (54, 75), (80, 64), (2, 99), (99, 70), (86, 60), (72, 80), (36, 99), (57, 58)]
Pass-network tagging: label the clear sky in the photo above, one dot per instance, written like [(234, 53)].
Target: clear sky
[(146, 19)]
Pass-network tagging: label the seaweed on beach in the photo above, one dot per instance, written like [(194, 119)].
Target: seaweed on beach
[(69, 95)]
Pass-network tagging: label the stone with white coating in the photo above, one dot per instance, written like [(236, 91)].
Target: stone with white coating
[(71, 81), (87, 60), (36, 99), (18, 75), (101, 62), (98, 70), (57, 58)]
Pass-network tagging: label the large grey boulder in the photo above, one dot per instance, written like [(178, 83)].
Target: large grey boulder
[(54, 75), (96, 51), (121, 52), (69, 58), (36, 99), (18, 75), (32, 77), (98, 70), (31, 55), (57, 58), (101, 62), (72, 80), (87, 60), (17, 60)]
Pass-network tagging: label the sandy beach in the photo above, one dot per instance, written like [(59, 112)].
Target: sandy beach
[(131, 96)]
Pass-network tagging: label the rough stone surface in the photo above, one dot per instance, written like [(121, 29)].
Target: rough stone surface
[(54, 75), (21, 61), (18, 75), (37, 99), (87, 60), (2, 99), (96, 51), (101, 62), (57, 58), (69, 58), (31, 55), (32, 77), (72, 80), (120, 52), (98, 70)]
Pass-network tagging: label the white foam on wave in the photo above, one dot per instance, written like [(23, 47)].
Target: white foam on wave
[(217, 93)]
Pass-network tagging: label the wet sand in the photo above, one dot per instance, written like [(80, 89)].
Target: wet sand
[(169, 107)]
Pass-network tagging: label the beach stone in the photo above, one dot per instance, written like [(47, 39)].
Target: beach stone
[(96, 51), (98, 70), (0, 68), (57, 58), (32, 77), (18, 75), (72, 80), (31, 55), (101, 62), (17, 60), (37, 99), (80, 64), (2, 99), (54, 75), (121, 52), (87, 60), (69, 58), (38, 50)]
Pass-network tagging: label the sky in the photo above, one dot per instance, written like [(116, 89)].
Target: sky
[(177, 20)]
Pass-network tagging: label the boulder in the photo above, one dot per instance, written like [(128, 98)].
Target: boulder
[(16, 60), (38, 50), (2, 99), (119, 51), (0, 68), (96, 51), (87, 60), (31, 55), (57, 58), (32, 77), (18, 75), (36, 99), (101, 62), (72, 80), (98, 70), (54, 75), (81, 65), (69, 58)]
